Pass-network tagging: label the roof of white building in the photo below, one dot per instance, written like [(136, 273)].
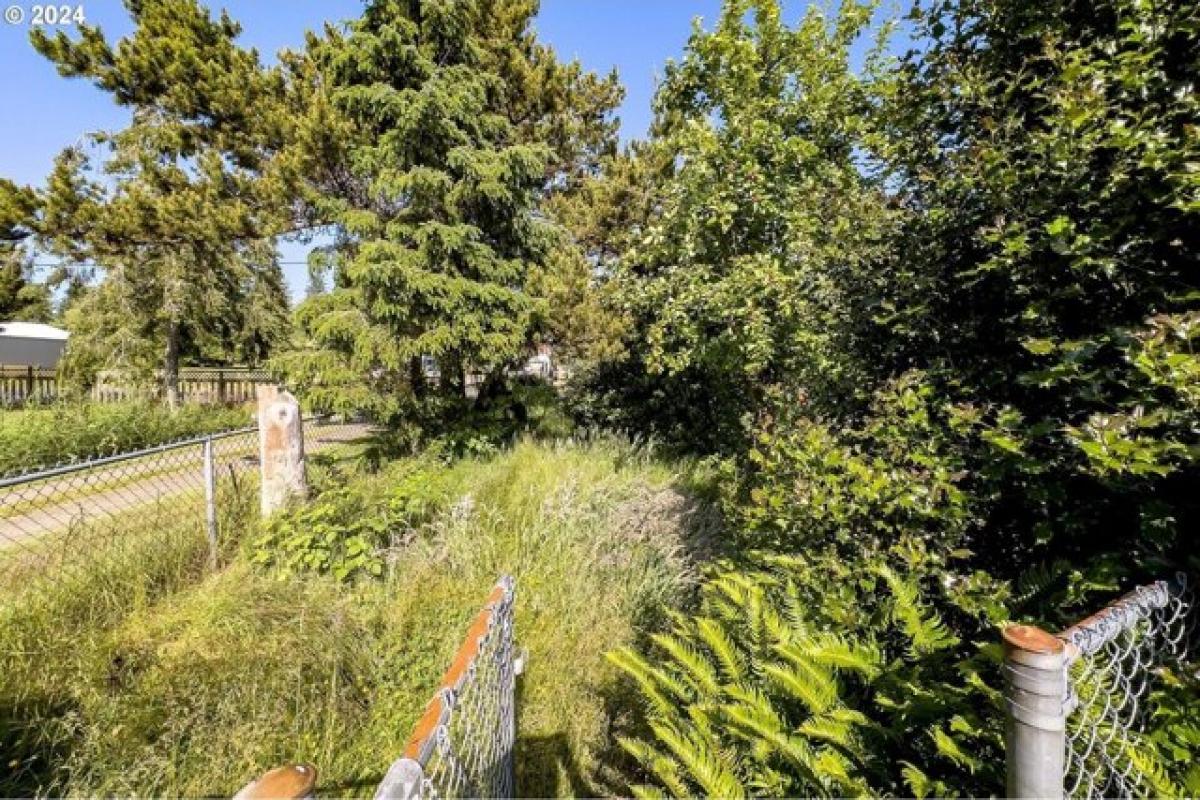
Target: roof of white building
[(32, 330)]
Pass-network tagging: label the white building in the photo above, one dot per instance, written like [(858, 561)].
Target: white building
[(31, 344)]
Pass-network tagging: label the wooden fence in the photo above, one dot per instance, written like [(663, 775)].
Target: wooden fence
[(27, 384), (23, 385)]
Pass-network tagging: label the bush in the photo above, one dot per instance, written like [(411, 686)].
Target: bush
[(842, 641), (35, 438), (349, 528), (852, 646)]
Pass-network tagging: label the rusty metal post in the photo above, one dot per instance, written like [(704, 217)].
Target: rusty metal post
[(280, 449), (1036, 694), (291, 782)]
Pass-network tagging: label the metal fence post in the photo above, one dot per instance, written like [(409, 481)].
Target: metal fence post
[(403, 781), (1035, 730), (210, 501)]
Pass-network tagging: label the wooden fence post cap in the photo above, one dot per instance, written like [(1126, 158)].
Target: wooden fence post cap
[(288, 782), (1032, 639)]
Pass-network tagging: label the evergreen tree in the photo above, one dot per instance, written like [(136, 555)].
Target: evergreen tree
[(21, 298), (429, 133), (320, 265), (177, 212)]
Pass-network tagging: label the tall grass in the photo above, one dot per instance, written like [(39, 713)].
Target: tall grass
[(196, 692), (39, 437), (56, 616)]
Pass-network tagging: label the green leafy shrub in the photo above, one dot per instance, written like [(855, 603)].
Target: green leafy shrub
[(1067, 315), (852, 647), (843, 644), (41, 437), (347, 529), (899, 473)]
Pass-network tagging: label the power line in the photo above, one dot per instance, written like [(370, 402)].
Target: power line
[(87, 264)]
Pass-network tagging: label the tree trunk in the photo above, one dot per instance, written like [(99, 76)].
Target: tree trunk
[(171, 366), (416, 376)]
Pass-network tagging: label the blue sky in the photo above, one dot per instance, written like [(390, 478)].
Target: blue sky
[(44, 113)]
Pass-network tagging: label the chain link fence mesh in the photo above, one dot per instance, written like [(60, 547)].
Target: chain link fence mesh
[(58, 523), (1112, 660), (463, 744), (1082, 704)]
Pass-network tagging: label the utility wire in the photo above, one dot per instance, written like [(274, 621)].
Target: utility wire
[(88, 264)]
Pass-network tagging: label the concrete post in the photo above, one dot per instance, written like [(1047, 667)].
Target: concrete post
[(280, 449), (1035, 732)]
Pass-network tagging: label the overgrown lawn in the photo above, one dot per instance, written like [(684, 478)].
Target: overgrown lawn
[(195, 691)]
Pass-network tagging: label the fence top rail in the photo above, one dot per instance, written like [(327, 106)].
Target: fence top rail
[(420, 744), (1091, 634), (22, 370), (80, 466)]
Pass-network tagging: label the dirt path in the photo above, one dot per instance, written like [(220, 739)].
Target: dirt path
[(38, 508)]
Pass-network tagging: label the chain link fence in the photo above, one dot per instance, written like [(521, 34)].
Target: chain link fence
[(1078, 702), (60, 522), (463, 744)]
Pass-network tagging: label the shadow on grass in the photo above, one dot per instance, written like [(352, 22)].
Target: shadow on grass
[(34, 737)]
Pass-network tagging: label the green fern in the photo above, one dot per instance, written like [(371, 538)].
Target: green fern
[(704, 766), (714, 635), (815, 689), (694, 668), (926, 631)]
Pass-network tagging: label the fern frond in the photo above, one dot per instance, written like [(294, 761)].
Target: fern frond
[(765, 730), (704, 766), (924, 628), (829, 729), (948, 747), (834, 769), (1039, 581), (817, 690), (916, 780), (663, 767), (650, 679), (715, 637), (1149, 767), (694, 667), (650, 793), (833, 651)]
